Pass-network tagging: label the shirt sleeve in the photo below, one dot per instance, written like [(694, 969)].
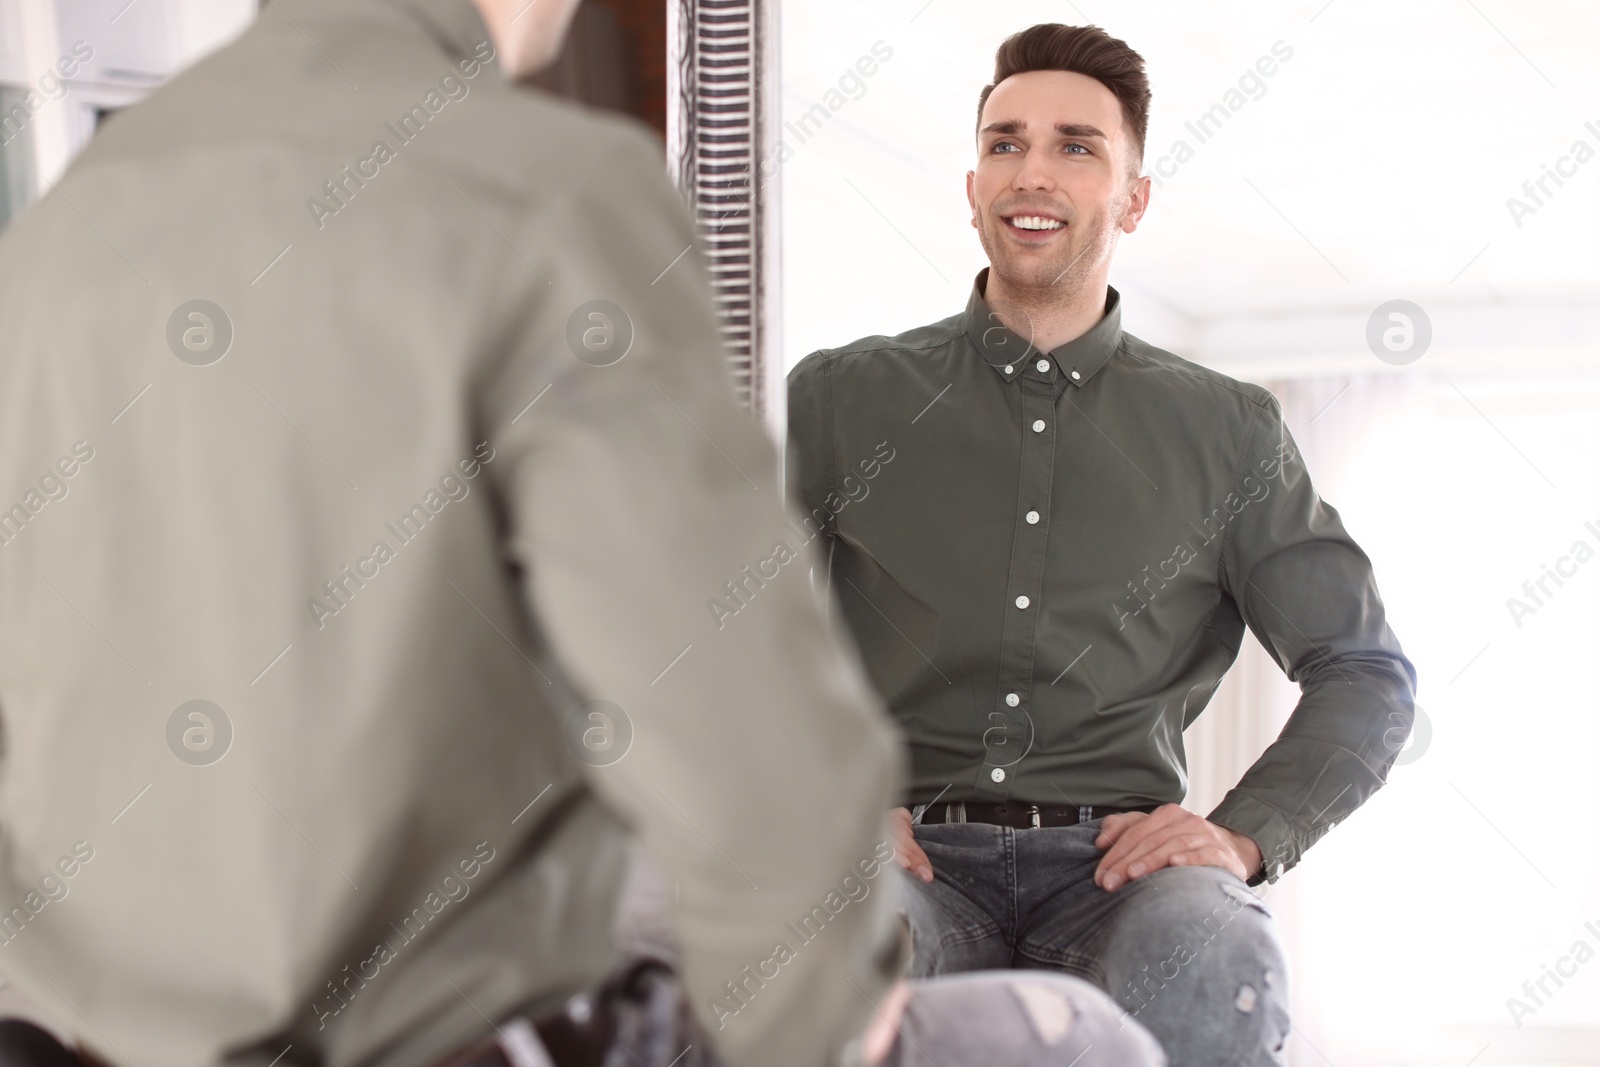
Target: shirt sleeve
[(1307, 592), (647, 519), (810, 456)]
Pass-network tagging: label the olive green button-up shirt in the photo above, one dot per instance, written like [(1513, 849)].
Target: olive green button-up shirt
[(367, 455), (1048, 561)]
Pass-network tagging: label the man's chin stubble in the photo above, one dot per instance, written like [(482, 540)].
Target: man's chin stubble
[(1056, 277)]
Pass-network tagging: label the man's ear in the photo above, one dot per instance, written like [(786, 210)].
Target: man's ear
[(1138, 202), (971, 200)]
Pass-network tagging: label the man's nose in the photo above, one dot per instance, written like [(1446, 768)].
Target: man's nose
[(1034, 173)]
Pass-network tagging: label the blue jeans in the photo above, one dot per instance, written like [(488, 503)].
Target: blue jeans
[(994, 1019), (1014, 1019), (1189, 952)]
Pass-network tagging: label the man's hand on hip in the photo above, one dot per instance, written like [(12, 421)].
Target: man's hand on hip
[(879, 1037), (907, 852), (1173, 836)]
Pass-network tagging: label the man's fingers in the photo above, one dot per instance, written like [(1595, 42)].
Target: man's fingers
[(1113, 868), (1177, 848), (1137, 843), (1152, 855), (1113, 826), (1116, 840), (1134, 852), (1130, 834), (1138, 823), (1160, 853), (907, 852), (913, 859), (1209, 856), (1117, 860)]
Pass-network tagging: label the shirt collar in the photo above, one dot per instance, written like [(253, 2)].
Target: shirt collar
[(1013, 357)]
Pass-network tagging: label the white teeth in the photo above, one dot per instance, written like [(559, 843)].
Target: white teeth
[(1036, 222)]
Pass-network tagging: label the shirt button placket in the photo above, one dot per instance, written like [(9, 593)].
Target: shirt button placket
[(1003, 748)]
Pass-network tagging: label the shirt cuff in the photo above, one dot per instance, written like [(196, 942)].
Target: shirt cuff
[(1263, 824)]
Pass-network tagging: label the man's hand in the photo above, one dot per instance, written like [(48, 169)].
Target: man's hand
[(907, 852), (1169, 836), (885, 1025)]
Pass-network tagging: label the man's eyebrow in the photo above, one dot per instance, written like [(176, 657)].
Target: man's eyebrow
[(1012, 127), (1080, 129)]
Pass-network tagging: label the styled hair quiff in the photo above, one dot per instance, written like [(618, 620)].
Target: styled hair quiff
[(1086, 50)]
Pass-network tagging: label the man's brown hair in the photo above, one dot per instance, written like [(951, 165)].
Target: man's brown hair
[(1086, 50)]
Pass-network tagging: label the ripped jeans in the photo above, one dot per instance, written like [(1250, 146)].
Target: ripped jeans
[(1189, 952)]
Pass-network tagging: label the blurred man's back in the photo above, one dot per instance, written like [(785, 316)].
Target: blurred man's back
[(331, 496)]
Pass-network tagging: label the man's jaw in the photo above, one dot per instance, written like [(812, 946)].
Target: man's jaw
[(1030, 259)]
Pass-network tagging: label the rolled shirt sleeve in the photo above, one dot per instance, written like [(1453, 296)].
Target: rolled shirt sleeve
[(1307, 592), (646, 520)]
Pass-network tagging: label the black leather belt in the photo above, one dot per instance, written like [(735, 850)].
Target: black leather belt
[(1021, 816)]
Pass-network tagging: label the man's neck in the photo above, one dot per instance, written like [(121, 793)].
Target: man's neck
[(1047, 317)]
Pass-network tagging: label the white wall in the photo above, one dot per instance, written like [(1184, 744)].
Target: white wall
[(135, 46)]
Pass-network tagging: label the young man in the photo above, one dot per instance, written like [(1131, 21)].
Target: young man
[(340, 638), (1066, 534)]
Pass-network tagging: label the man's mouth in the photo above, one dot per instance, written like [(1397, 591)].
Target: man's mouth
[(1034, 222)]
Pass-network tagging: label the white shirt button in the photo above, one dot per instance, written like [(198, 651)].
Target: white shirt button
[(1033, 517), (1022, 601), (1009, 369), (1038, 426), (1076, 375), (1013, 699), (1043, 365), (997, 775)]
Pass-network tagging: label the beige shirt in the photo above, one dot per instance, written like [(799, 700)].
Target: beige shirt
[(350, 617)]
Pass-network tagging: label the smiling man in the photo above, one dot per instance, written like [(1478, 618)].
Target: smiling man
[(1057, 571)]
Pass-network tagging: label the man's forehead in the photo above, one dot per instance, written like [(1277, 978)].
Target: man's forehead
[(1042, 100)]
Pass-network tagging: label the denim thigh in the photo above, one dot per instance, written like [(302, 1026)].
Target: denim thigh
[(1189, 952), (962, 920), (1018, 1019)]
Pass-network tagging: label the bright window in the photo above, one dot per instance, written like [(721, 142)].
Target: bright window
[(1474, 870)]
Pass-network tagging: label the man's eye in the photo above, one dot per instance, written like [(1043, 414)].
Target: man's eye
[(1002, 146), (1070, 147)]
